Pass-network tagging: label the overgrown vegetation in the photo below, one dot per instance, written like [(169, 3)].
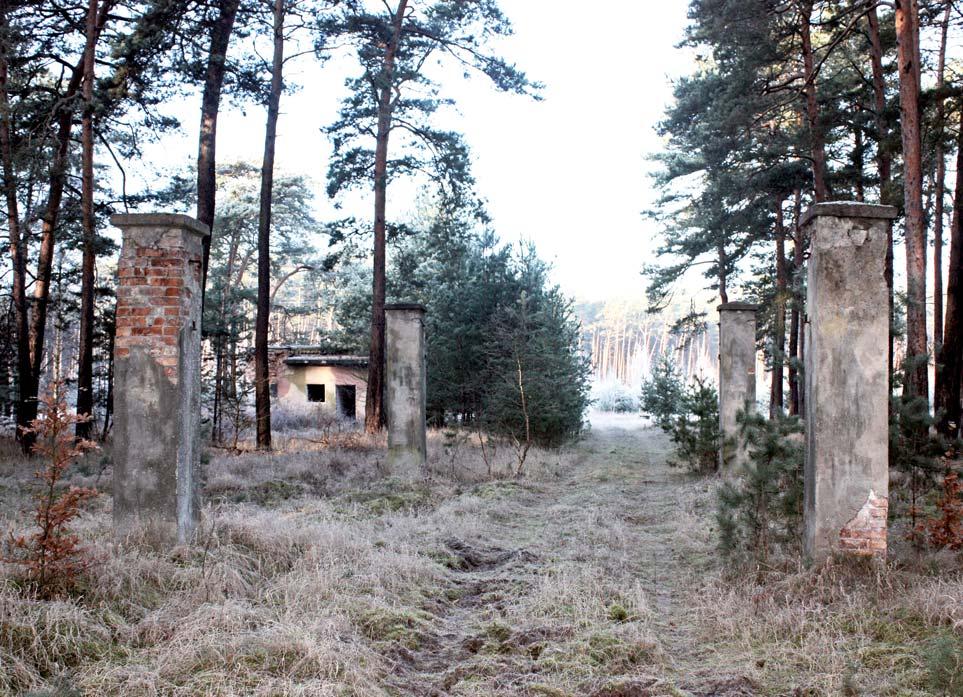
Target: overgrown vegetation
[(316, 570), (662, 392), (503, 343), (688, 412), (945, 529), (759, 512), (52, 557)]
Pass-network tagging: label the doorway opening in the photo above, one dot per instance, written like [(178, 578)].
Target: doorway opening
[(345, 401)]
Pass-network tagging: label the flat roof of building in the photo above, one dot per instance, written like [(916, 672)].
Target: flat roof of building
[(347, 361)]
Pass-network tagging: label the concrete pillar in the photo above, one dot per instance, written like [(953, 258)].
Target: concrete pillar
[(846, 380), (405, 385), (737, 378), (157, 358)]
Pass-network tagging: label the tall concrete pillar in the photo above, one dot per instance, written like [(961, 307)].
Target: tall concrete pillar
[(737, 378), (846, 380), (157, 359), (405, 385)]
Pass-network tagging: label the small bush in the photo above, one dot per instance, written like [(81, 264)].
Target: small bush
[(662, 393), (916, 451), (689, 413), (615, 397), (762, 509), (695, 430), (52, 557)]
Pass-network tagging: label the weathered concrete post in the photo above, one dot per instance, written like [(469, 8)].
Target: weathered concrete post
[(157, 357), (405, 385), (846, 381), (737, 378)]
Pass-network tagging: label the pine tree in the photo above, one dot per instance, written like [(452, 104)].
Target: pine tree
[(760, 511), (394, 100)]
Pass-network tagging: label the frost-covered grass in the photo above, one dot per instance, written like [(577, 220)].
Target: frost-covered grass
[(318, 572), (613, 396), (838, 630)]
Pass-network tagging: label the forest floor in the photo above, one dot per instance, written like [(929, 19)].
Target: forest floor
[(595, 574)]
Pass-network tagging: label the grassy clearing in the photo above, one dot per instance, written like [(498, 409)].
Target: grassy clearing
[(319, 573)]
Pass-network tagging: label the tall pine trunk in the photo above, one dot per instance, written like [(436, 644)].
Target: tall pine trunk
[(85, 368), (210, 106), (18, 252), (858, 153), (816, 138), (795, 316), (949, 363), (374, 417), (883, 159), (779, 321), (907, 33), (262, 383), (940, 186), (723, 275)]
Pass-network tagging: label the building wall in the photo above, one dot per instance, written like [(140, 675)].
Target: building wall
[(292, 382)]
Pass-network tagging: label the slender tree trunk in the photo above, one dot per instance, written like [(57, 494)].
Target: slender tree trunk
[(950, 361), (940, 186), (723, 272), (374, 405), (795, 321), (210, 106), (262, 382), (109, 401), (85, 368), (779, 322), (41, 286), (18, 252), (884, 161), (907, 33), (816, 137), (858, 149), (217, 412)]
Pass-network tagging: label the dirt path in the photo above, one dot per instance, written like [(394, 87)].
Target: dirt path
[(590, 569)]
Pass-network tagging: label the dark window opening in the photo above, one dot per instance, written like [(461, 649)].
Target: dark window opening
[(315, 393), (345, 396), (274, 390)]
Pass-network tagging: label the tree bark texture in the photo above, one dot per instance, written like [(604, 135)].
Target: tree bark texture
[(262, 382), (18, 252), (779, 318), (374, 405), (210, 106), (907, 32), (949, 363), (883, 158), (940, 185), (85, 368), (816, 138)]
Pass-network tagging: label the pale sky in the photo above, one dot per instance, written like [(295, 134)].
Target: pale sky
[(568, 173)]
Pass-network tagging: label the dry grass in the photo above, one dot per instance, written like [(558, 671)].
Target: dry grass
[(840, 630), (317, 572)]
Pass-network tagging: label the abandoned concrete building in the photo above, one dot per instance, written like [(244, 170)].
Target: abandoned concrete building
[(302, 375)]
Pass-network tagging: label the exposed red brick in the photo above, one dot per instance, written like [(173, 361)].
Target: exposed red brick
[(865, 534)]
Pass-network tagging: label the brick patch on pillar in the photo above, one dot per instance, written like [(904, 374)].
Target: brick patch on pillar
[(865, 534), (153, 300)]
